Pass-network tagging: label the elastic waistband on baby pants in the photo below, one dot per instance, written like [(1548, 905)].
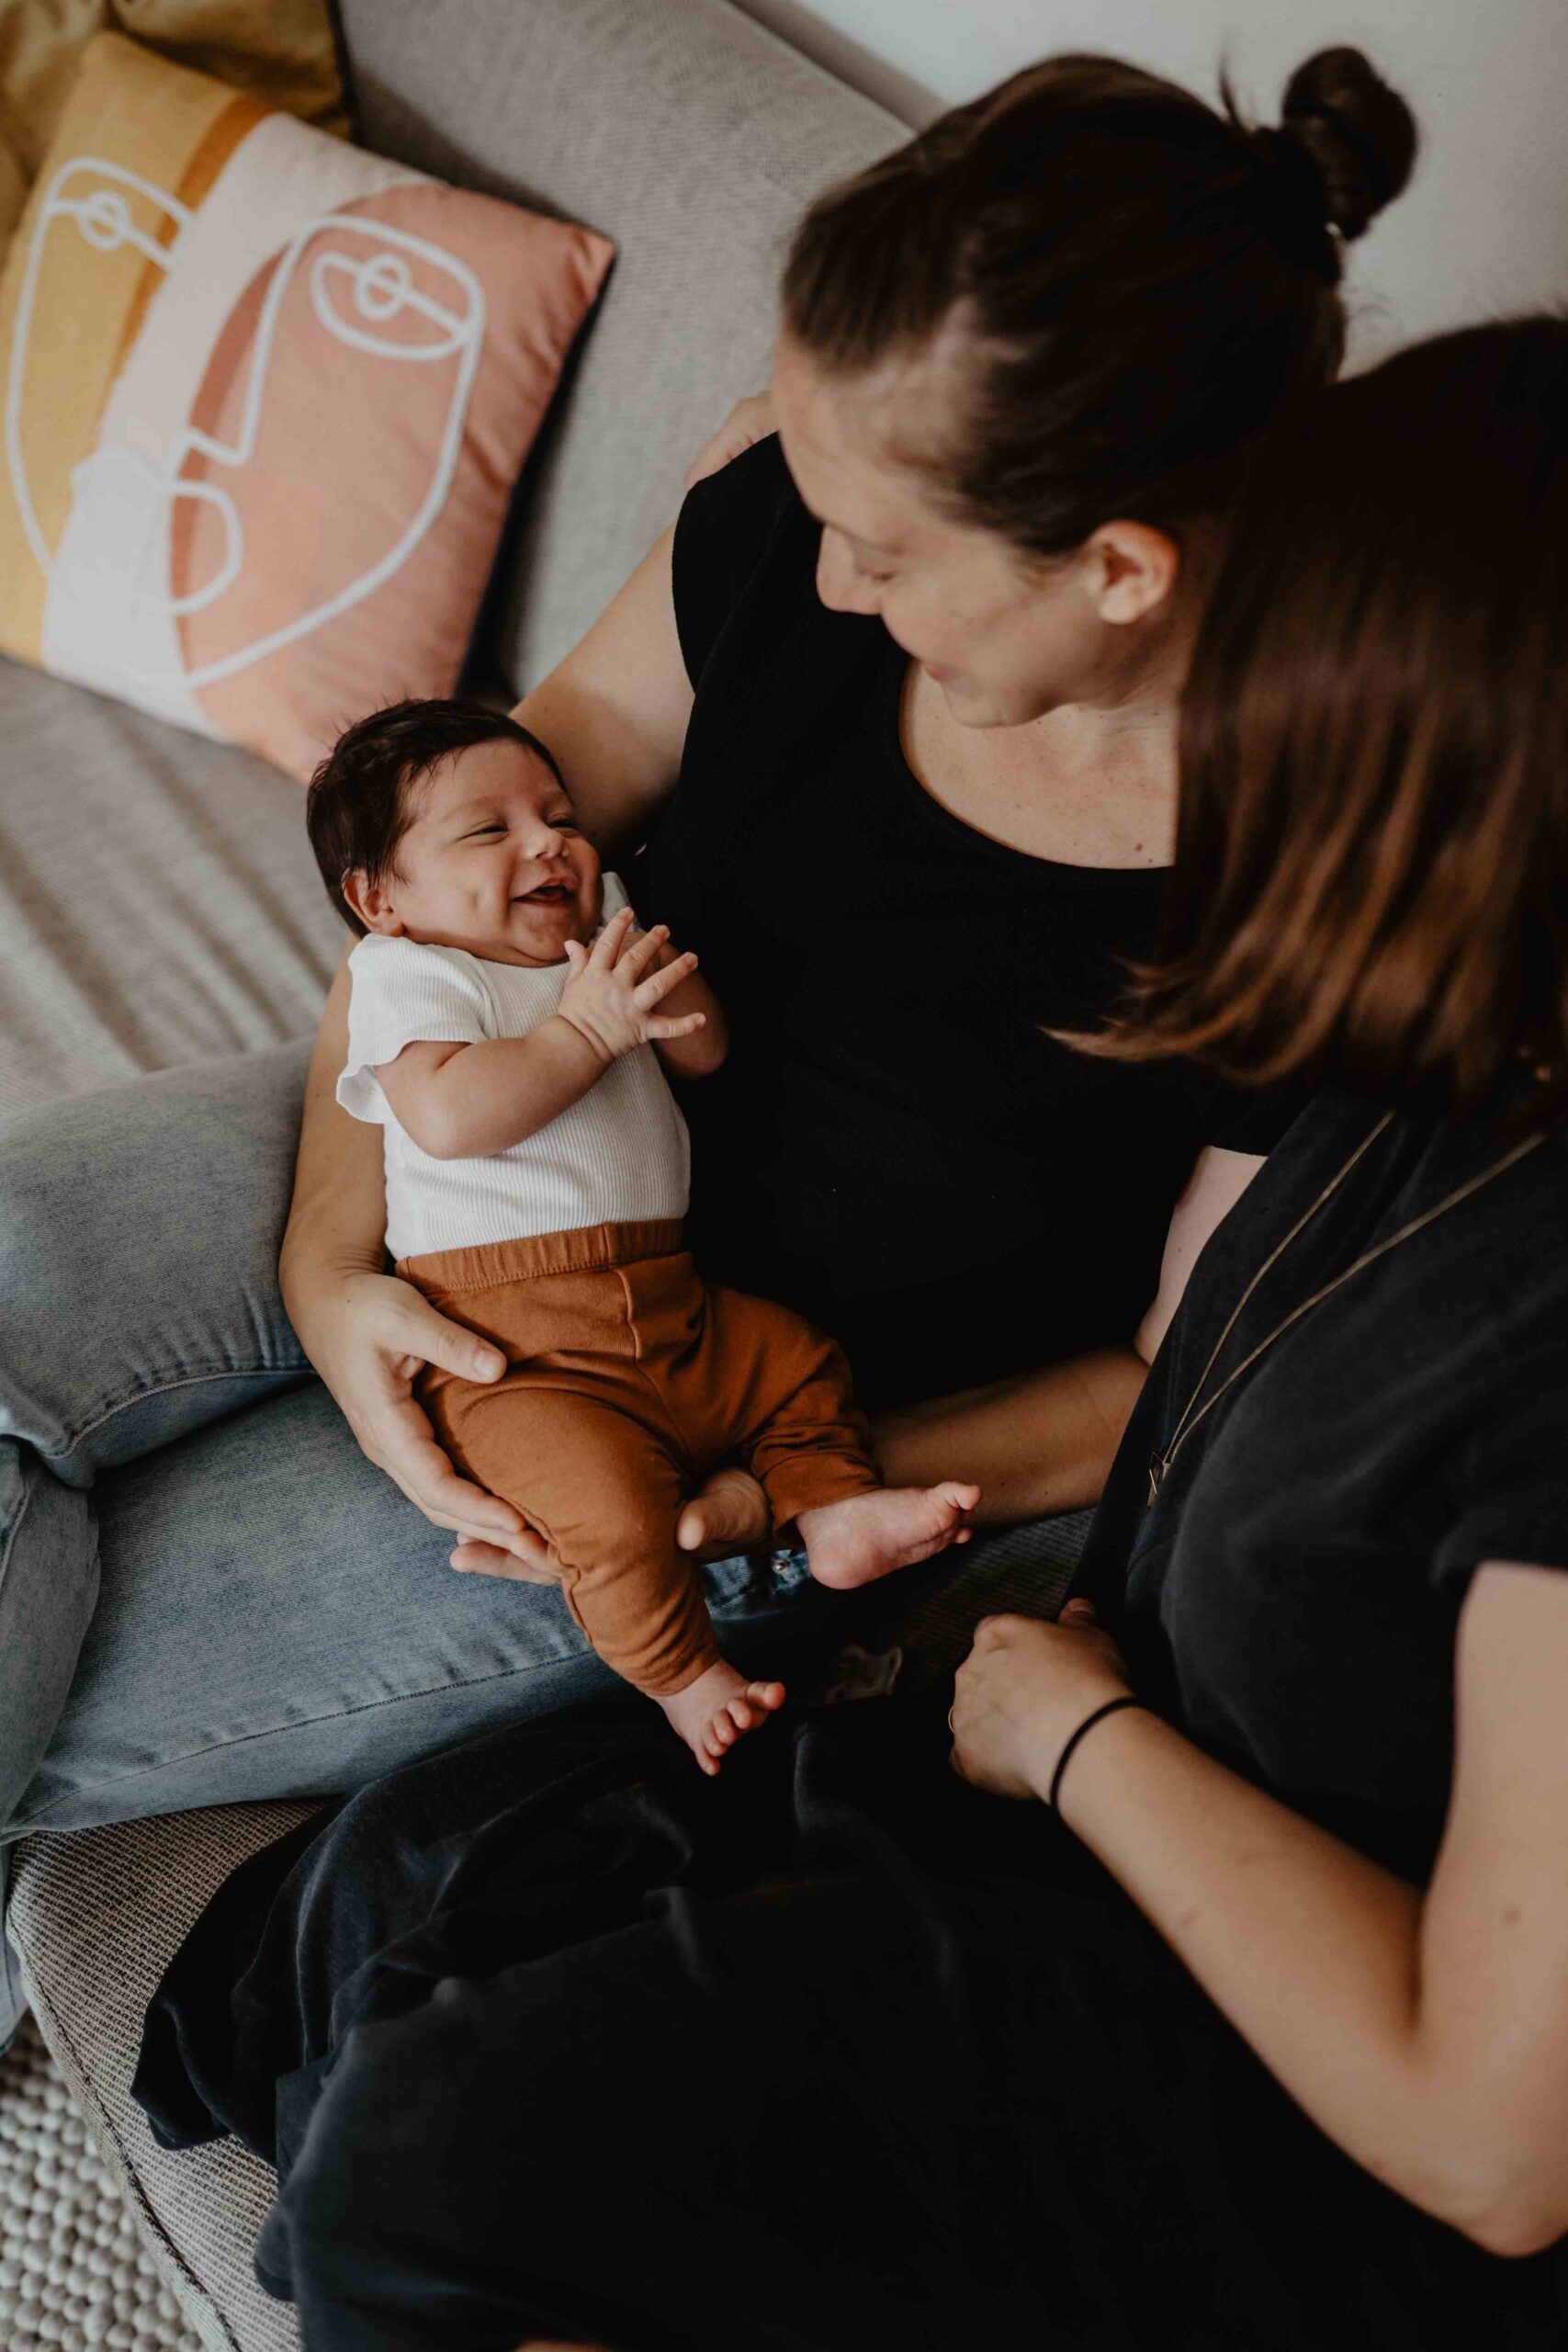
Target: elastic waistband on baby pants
[(586, 1249)]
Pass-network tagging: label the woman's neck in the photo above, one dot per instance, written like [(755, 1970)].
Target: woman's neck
[(1086, 785)]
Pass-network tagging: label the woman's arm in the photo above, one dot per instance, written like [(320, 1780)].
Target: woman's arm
[(1045, 1440), (615, 712), (1426, 2035)]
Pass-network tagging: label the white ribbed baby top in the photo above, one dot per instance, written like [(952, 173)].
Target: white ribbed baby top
[(620, 1153)]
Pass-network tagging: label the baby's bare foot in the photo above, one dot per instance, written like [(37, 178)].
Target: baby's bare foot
[(717, 1709), (867, 1536), (730, 1513)]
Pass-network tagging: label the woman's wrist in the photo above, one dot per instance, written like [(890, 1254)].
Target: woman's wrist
[(1083, 1731), (1022, 1693), (315, 1280)]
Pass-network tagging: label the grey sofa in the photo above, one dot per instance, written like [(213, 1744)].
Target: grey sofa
[(692, 138)]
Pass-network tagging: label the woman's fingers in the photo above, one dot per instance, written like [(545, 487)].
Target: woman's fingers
[(671, 1026), (748, 421), (394, 1332), (410, 1456), (991, 1632), (530, 1564), (430, 1336), (398, 1438)]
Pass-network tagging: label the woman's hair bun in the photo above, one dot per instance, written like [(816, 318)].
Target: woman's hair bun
[(1359, 133)]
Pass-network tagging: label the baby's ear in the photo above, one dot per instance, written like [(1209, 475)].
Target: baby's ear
[(370, 902)]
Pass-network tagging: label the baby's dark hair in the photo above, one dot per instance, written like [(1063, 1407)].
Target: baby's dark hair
[(360, 803)]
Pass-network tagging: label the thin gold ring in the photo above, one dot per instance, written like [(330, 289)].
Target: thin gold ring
[(950, 1718)]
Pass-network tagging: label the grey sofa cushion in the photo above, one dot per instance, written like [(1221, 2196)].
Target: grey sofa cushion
[(97, 1918), (692, 136), (159, 903)]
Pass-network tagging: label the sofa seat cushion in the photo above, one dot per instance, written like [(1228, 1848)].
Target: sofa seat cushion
[(159, 903)]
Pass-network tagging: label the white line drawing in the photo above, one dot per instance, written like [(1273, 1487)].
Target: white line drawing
[(137, 495), (105, 222)]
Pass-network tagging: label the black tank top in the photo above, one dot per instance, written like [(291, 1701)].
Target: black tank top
[(894, 1147)]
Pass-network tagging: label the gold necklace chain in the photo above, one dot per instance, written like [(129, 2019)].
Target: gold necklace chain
[(1160, 1463)]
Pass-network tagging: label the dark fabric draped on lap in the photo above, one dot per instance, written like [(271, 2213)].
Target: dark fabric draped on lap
[(552, 2035)]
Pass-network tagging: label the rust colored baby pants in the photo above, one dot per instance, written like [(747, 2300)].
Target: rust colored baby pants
[(628, 1379)]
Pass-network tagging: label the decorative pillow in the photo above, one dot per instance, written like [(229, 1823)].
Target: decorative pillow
[(265, 400), (285, 49)]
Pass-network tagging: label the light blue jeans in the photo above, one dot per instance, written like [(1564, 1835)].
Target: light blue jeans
[(206, 1593)]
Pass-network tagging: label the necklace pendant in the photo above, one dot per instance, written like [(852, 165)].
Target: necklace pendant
[(1157, 1467)]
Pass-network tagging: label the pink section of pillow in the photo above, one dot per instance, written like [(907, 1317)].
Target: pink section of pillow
[(349, 447)]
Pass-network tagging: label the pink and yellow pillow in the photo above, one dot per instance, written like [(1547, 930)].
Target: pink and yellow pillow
[(265, 397)]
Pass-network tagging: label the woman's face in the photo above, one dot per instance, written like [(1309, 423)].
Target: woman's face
[(1006, 637)]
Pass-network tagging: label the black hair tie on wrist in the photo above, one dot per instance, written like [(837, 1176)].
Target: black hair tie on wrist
[(1112, 1707)]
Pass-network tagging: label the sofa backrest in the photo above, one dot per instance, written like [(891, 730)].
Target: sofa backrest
[(690, 136)]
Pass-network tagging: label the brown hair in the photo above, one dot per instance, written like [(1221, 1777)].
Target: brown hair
[(360, 802), (1143, 280), (1371, 867)]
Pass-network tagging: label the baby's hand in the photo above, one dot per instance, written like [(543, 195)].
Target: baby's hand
[(616, 988)]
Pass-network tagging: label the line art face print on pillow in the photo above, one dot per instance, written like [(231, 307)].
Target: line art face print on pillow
[(298, 382)]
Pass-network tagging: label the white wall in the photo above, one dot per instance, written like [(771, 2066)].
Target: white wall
[(1483, 229)]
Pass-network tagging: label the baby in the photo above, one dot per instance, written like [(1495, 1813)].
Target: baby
[(507, 1025)]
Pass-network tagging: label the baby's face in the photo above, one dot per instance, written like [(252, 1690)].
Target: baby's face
[(493, 862)]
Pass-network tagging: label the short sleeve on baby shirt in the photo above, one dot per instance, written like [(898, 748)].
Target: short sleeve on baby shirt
[(404, 990)]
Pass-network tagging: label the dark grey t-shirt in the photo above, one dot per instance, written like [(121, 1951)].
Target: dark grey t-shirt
[(1290, 1598)]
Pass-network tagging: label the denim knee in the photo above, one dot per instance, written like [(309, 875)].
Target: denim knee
[(48, 1586), (140, 1229)]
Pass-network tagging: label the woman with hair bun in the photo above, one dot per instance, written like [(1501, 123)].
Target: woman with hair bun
[(895, 706), (1244, 2028)]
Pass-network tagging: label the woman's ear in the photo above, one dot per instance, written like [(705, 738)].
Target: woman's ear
[(1133, 571), (371, 903)]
